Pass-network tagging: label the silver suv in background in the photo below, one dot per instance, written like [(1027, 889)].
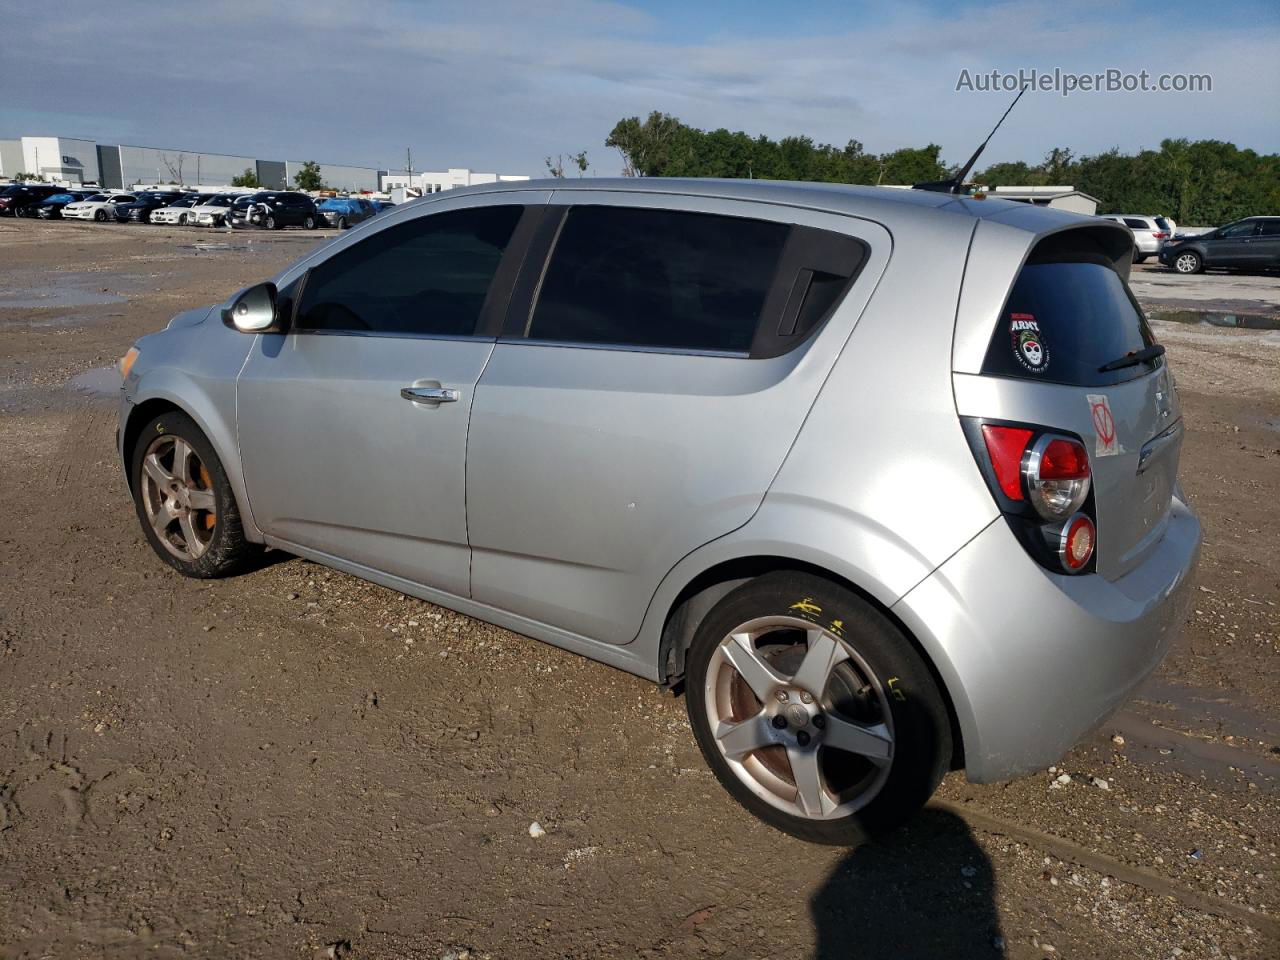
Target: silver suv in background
[(884, 480), (1149, 233)]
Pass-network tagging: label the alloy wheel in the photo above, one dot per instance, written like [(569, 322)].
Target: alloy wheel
[(177, 496), (1187, 263), (799, 717)]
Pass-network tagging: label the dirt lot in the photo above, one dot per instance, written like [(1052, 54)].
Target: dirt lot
[(294, 763)]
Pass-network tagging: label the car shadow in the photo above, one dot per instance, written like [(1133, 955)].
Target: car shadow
[(926, 891)]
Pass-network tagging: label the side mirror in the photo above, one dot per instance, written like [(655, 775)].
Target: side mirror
[(254, 310)]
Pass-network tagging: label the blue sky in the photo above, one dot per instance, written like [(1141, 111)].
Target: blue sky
[(500, 85)]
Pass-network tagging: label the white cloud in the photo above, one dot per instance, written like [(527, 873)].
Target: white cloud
[(501, 85)]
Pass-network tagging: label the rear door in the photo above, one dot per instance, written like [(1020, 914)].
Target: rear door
[(644, 397), (1069, 314)]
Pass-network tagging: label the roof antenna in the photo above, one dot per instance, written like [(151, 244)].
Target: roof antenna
[(956, 184)]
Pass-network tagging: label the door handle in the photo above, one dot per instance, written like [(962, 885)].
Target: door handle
[(429, 394)]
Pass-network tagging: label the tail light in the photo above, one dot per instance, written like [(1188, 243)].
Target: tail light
[(1075, 549), (1160, 236), (1043, 483)]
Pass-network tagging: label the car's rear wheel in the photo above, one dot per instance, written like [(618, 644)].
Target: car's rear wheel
[(1188, 262), (184, 501), (814, 710)]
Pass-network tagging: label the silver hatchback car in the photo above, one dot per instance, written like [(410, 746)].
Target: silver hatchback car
[(885, 480)]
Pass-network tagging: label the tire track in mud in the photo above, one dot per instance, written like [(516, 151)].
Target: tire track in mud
[(986, 822)]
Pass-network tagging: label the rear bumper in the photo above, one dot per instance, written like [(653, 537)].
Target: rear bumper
[(1033, 660)]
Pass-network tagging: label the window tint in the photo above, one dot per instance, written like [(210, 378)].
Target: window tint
[(1246, 228), (1162, 223), (1134, 223), (1270, 228), (1065, 320), (428, 276), (657, 278)]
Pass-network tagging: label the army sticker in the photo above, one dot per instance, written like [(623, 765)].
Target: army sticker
[(1027, 345)]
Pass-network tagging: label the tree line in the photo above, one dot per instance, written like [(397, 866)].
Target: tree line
[(1203, 182)]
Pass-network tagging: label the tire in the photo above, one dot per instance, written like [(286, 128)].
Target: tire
[(309, 222), (1140, 257), (1188, 262), (100, 216), (220, 547), (342, 223), (182, 219), (270, 223), (879, 681)]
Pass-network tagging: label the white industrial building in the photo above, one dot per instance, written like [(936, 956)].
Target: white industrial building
[(428, 182), (65, 159), (122, 166), (1060, 198)]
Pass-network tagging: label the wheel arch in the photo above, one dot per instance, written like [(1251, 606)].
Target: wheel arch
[(219, 434), (699, 596)]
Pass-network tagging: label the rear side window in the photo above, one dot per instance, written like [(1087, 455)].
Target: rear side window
[(1063, 321), (1133, 223), (657, 278), (429, 276), (1270, 228)]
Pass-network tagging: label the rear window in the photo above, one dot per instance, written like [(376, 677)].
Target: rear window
[(1065, 320), (1162, 223)]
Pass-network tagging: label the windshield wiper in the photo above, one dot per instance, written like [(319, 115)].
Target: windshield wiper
[(1133, 358)]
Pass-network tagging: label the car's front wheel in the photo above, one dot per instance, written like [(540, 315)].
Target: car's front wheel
[(309, 222), (184, 501), (270, 222), (814, 710), (342, 223), (100, 216), (1188, 262)]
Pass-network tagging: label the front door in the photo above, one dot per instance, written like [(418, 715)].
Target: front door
[(353, 425), (1233, 246)]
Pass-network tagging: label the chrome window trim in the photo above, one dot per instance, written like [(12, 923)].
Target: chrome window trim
[(627, 348)]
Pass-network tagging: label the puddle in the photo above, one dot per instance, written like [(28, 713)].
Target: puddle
[(214, 247), (98, 382), (1212, 318), (57, 297), (70, 290)]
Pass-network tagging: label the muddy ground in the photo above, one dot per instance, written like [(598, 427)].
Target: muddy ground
[(294, 763)]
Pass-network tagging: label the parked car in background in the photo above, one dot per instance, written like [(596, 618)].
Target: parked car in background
[(1249, 244), (179, 211), (273, 209), (21, 199), (1148, 233), (100, 207), (1168, 226), (343, 212), (144, 203), (51, 208), (382, 205), (679, 426), (213, 211)]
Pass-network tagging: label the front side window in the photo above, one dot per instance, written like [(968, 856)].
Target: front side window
[(429, 276), (1245, 228), (657, 278)]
